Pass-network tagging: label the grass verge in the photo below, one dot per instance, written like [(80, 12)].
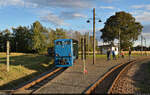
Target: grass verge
[(23, 67)]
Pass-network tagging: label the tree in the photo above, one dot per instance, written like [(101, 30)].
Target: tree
[(5, 35), (59, 33), (77, 36), (38, 38), (1, 41), (123, 23), (22, 36)]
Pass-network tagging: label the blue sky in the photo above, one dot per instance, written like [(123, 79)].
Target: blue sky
[(71, 14)]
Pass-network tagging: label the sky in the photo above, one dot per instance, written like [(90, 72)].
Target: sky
[(72, 14)]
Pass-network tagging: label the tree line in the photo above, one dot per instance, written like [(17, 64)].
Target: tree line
[(37, 38)]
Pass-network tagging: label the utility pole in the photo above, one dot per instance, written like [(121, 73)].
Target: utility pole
[(88, 21), (93, 35), (81, 39), (145, 46), (141, 45), (84, 53), (7, 56), (119, 45), (88, 43)]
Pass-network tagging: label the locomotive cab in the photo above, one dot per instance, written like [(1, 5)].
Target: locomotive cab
[(66, 51)]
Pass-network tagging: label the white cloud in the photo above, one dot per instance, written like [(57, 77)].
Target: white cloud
[(146, 35), (146, 28), (137, 6), (107, 7), (55, 3), (11, 2), (22, 3), (146, 6), (143, 17), (53, 19), (72, 15), (79, 15), (48, 16), (63, 3)]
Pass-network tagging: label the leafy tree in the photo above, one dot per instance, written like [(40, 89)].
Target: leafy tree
[(38, 38), (59, 33), (77, 36), (22, 36), (52, 37), (4, 37), (123, 23), (1, 41), (6, 34)]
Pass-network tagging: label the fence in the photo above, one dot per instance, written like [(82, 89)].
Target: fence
[(125, 52)]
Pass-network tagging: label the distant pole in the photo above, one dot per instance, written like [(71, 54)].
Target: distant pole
[(141, 45), (119, 45), (83, 55), (82, 48), (145, 46), (85, 46), (88, 44), (93, 35), (7, 56)]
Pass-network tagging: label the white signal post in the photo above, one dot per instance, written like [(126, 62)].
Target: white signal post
[(141, 45), (7, 56), (84, 70)]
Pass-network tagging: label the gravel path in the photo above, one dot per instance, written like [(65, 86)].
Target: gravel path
[(136, 80), (73, 80)]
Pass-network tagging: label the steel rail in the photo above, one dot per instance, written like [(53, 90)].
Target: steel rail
[(38, 80), (91, 88), (122, 68), (120, 74)]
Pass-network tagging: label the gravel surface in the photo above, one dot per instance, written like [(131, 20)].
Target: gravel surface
[(136, 80), (73, 80)]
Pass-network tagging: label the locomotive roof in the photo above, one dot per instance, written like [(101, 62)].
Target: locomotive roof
[(65, 39)]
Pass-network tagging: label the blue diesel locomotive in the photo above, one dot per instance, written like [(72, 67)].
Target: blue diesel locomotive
[(66, 51)]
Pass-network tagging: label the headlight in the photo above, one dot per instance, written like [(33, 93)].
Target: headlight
[(69, 54), (57, 55)]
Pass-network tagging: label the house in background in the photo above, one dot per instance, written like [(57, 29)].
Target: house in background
[(103, 48)]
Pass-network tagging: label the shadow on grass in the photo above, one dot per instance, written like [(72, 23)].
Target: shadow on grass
[(36, 63), (142, 78)]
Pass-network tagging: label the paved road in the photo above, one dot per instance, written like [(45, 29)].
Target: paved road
[(74, 81)]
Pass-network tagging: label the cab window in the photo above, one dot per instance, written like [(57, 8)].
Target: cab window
[(59, 43), (67, 42)]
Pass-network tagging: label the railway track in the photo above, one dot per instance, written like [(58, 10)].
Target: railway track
[(107, 83), (37, 83)]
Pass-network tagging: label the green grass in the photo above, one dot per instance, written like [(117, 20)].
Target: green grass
[(98, 56), (104, 55), (23, 67)]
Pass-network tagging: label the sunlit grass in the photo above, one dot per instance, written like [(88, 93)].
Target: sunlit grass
[(22, 65)]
